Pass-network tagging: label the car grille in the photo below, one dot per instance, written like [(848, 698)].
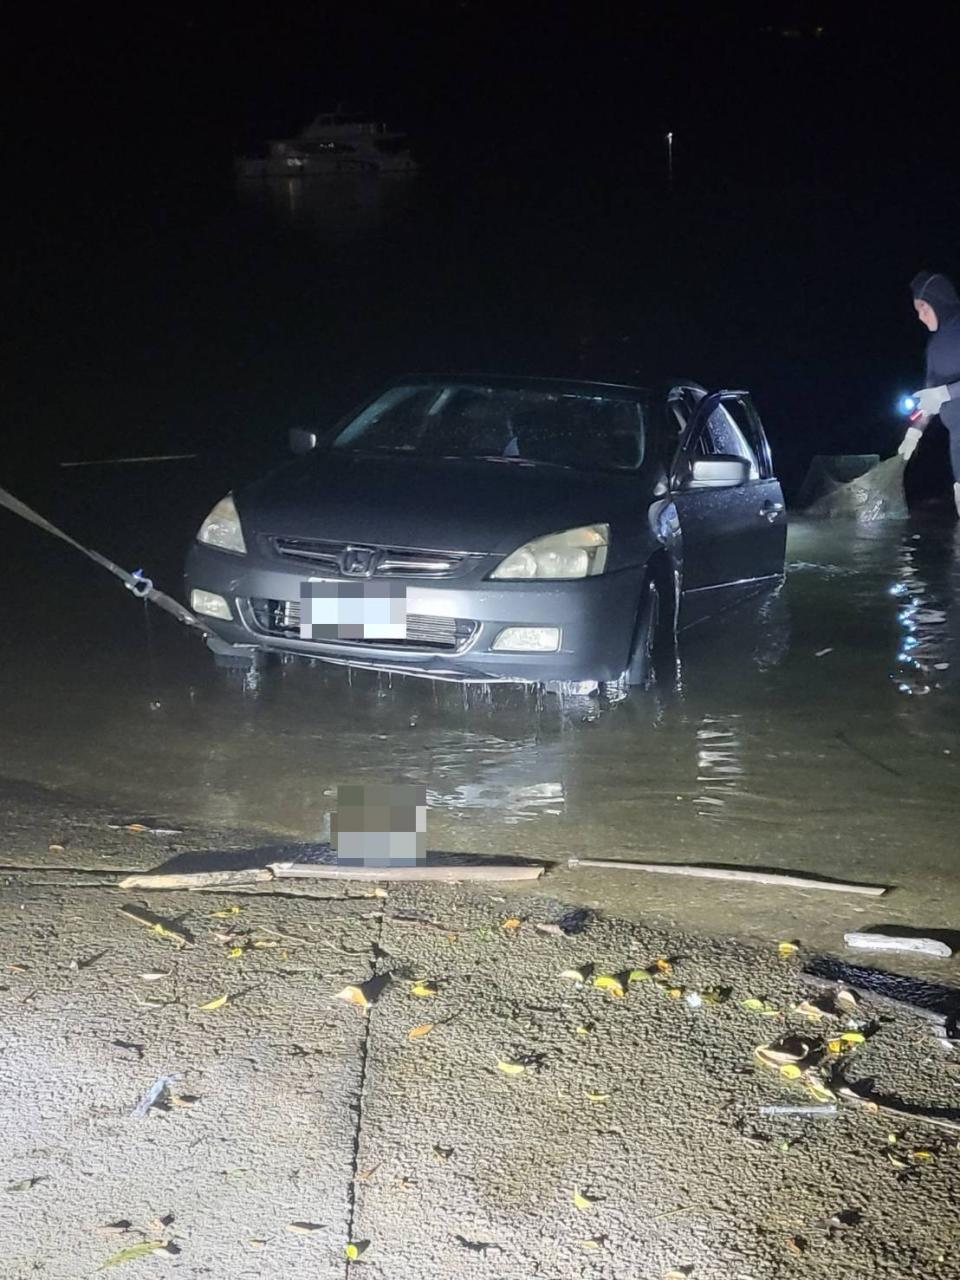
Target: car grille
[(386, 562), (424, 633)]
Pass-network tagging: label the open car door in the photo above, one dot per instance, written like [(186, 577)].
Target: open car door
[(728, 500)]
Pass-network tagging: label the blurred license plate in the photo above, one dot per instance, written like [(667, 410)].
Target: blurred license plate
[(353, 610)]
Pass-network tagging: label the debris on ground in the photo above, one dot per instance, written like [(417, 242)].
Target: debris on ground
[(162, 928), (142, 1250), (154, 1095), (898, 942)]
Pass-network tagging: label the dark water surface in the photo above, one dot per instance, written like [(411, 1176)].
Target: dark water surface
[(814, 732)]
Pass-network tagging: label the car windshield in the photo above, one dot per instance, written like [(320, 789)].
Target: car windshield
[(583, 428)]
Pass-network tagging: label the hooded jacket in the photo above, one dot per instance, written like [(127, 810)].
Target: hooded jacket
[(943, 347)]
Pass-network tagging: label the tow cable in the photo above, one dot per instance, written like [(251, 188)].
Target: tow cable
[(137, 582)]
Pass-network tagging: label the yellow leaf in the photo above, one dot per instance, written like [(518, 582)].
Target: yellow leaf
[(583, 1031), (235, 953), (264, 944), (787, 949), (597, 1097), (583, 1201), (612, 985), (511, 1068), (135, 1251), (921, 1155), (638, 975), (218, 1003), (853, 1037), (835, 1046), (356, 1249), (674, 992), (790, 1071), (754, 1005), (353, 995), (664, 965), (512, 922), (818, 1089), (136, 826), (226, 913), (424, 989), (573, 975), (423, 1030)]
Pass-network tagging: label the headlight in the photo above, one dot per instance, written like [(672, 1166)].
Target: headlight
[(576, 553), (222, 528)]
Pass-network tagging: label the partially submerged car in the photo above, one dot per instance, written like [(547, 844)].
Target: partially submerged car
[(497, 529)]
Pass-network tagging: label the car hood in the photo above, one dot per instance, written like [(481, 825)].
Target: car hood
[(439, 504)]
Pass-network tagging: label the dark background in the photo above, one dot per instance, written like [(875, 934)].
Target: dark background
[(149, 304)]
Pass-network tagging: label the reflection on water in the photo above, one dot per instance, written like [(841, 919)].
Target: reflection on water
[(719, 765), (334, 209), (922, 602)]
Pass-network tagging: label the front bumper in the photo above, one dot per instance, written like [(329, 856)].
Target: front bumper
[(596, 617)]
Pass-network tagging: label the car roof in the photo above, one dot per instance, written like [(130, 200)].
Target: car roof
[(520, 381)]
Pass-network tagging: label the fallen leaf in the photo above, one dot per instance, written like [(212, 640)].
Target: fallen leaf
[(511, 1068), (594, 1242), (919, 1156), (846, 999), (553, 930), (423, 1030), (790, 1071), (664, 965), (638, 975), (678, 1275), (25, 1184), (353, 995), (257, 1244), (789, 1049), (511, 923), (597, 1097), (797, 1245), (19, 968), (896, 1161), (584, 1031), (162, 928), (136, 1251), (184, 1099), (356, 1249), (853, 1037), (216, 1003), (675, 993), (226, 913), (716, 995), (753, 1005), (574, 975), (787, 949), (304, 1228), (424, 989), (117, 1228), (154, 977), (159, 1225), (835, 1046), (264, 944), (583, 1201), (235, 953), (817, 1088), (813, 1013), (135, 826), (443, 1153), (55, 848), (610, 984)]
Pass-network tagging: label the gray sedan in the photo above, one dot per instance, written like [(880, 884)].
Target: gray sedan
[(497, 529)]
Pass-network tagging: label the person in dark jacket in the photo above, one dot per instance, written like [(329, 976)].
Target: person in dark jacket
[(937, 306)]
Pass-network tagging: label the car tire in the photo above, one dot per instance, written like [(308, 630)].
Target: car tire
[(646, 637)]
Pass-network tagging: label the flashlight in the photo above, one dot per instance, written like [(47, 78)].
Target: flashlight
[(909, 407)]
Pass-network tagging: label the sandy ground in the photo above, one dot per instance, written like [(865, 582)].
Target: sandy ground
[(293, 1107)]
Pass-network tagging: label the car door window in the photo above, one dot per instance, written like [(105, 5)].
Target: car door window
[(721, 434)]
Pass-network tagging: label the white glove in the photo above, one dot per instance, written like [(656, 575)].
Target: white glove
[(909, 443), (930, 400)]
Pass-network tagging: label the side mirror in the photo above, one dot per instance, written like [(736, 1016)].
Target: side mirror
[(722, 471), (302, 441)]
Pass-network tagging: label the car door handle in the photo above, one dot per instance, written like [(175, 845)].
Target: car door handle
[(771, 510)]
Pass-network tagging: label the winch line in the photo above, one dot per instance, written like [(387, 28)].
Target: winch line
[(137, 582)]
